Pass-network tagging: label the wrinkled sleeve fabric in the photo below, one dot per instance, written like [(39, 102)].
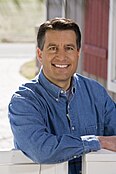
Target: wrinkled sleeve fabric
[(32, 136)]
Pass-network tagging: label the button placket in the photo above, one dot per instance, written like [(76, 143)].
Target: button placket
[(73, 128)]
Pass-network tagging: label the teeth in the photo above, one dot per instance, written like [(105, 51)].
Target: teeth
[(61, 66)]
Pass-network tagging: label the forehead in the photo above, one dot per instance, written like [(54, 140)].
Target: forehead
[(60, 36)]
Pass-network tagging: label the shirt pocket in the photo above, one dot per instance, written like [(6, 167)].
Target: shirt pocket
[(95, 129)]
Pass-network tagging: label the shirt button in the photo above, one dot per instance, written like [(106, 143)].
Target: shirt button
[(73, 128), (62, 91)]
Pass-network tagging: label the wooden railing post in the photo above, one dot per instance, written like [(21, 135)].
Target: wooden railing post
[(100, 162)]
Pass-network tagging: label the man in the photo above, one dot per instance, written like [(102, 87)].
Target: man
[(60, 115)]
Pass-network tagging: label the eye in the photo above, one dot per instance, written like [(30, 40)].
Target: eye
[(52, 48), (69, 48)]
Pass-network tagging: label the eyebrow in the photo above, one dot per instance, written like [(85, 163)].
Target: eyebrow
[(51, 44), (72, 45)]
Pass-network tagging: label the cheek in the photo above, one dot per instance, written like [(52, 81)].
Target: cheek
[(75, 64), (46, 62), (75, 60), (43, 58)]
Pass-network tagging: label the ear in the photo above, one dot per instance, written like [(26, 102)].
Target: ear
[(78, 52), (39, 55)]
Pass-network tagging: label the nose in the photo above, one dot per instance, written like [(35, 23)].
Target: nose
[(61, 53)]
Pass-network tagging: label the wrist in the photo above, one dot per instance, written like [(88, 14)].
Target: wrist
[(102, 141)]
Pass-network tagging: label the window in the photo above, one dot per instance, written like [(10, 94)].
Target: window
[(112, 47)]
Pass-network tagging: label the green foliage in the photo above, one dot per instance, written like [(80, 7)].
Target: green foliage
[(17, 3)]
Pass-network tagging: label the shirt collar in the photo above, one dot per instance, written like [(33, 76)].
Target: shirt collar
[(52, 89)]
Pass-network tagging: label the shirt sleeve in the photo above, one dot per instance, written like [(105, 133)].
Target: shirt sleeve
[(90, 143)]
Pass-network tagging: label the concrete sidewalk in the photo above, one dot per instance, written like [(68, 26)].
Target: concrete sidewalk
[(10, 79)]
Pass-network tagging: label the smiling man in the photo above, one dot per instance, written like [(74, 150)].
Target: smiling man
[(59, 57), (60, 115)]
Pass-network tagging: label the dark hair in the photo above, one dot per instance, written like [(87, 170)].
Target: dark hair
[(58, 24)]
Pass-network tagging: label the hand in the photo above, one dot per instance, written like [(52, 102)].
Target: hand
[(108, 142)]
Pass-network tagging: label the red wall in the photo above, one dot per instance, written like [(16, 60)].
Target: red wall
[(95, 45)]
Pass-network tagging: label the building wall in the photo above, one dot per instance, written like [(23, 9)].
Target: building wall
[(55, 8), (95, 45)]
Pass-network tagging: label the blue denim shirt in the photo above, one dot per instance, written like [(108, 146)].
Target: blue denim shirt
[(48, 127)]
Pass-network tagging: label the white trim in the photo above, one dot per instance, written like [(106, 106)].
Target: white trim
[(112, 47)]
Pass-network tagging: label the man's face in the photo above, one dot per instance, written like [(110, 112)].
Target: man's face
[(59, 57)]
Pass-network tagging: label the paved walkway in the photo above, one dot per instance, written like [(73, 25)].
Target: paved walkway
[(11, 59)]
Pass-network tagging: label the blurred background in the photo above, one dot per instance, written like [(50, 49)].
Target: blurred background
[(18, 19)]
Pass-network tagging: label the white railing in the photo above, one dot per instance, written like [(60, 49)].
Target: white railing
[(15, 162), (101, 162)]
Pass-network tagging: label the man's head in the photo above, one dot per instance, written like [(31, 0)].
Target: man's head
[(59, 42), (58, 24)]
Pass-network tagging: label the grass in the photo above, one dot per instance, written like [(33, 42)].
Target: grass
[(28, 69)]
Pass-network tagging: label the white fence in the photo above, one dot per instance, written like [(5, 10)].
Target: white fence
[(15, 162), (101, 162)]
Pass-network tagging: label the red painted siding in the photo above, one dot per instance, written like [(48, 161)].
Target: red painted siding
[(95, 45)]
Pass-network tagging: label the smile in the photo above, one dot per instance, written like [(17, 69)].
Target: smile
[(61, 66)]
